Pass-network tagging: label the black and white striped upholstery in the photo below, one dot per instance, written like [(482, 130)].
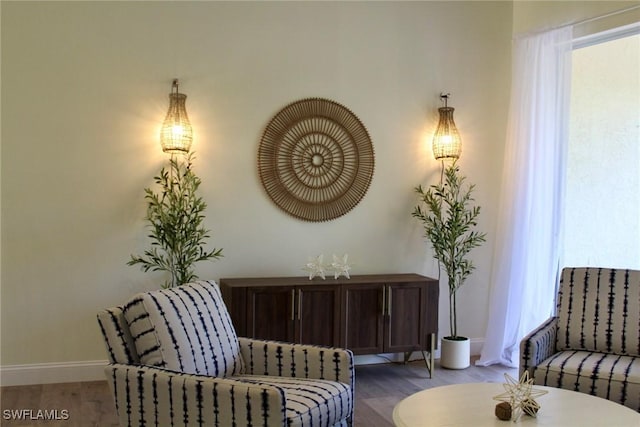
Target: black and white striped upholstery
[(120, 346), (175, 360), (592, 345), (186, 329)]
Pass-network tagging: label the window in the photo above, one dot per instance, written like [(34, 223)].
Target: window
[(602, 217)]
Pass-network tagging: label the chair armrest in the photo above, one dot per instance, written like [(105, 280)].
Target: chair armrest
[(539, 345), (262, 357), (146, 395)]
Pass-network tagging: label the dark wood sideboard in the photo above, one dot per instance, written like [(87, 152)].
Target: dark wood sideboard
[(368, 314)]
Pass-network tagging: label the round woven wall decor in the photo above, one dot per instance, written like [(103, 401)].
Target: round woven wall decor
[(315, 159)]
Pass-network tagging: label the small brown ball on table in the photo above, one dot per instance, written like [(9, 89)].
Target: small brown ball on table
[(503, 411)]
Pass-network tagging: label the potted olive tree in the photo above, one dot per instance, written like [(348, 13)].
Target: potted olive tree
[(175, 215), (449, 222)]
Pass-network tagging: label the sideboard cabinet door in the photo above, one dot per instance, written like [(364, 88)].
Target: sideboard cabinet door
[(389, 317), (270, 313), (405, 318), (307, 314), (363, 318), (318, 315)]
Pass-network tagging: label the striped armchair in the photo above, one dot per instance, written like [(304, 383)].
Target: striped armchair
[(592, 345), (175, 359)]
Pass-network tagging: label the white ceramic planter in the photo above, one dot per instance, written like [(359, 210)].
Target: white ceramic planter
[(455, 354)]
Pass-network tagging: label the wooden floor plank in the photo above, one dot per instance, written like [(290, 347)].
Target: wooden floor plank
[(21, 400), (378, 389), (62, 401), (95, 409)]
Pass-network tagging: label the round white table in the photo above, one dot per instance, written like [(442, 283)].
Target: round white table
[(472, 405)]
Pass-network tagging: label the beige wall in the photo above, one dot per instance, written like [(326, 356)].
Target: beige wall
[(541, 15), (84, 89)]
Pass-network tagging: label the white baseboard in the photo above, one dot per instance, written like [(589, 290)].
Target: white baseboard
[(50, 373), (476, 348), (93, 370), (375, 359)]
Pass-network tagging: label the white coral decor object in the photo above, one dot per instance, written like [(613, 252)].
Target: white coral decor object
[(315, 267), (341, 266)]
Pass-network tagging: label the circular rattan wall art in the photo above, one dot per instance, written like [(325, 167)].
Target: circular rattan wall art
[(315, 159)]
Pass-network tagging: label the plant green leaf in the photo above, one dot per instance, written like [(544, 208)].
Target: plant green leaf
[(448, 220), (175, 218)]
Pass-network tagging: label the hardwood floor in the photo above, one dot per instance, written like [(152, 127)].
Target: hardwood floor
[(85, 404), (378, 389)]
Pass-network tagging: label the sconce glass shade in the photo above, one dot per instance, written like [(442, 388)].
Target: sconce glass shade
[(176, 134), (446, 141)]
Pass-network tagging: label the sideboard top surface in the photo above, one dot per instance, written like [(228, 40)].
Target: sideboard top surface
[(304, 280)]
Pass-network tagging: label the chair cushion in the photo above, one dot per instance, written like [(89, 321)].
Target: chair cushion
[(599, 310), (115, 330), (186, 328), (310, 402), (610, 376)]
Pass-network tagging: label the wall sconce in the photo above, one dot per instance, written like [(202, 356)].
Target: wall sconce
[(446, 141), (176, 134)]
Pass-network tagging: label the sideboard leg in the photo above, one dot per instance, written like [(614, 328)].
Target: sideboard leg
[(430, 362)]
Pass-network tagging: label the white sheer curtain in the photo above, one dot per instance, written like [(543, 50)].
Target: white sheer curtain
[(526, 259)]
